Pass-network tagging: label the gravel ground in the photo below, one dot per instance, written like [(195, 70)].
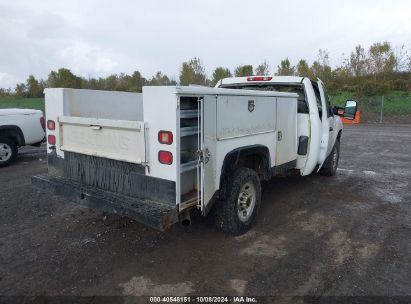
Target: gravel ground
[(348, 235)]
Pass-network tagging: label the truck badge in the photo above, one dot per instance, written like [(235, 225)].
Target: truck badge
[(251, 105)]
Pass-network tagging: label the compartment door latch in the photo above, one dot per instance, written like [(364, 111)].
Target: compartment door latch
[(204, 155), (207, 155), (279, 135)]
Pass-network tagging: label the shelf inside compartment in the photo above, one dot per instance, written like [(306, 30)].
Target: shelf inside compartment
[(187, 131), (188, 161), (191, 165), (188, 114)]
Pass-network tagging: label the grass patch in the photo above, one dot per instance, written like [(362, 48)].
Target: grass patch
[(22, 103), (395, 102)]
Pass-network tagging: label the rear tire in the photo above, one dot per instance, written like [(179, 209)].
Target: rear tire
[(236, 211), (330, 165), (8, 151)]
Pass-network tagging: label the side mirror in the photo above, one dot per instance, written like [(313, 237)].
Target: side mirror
[(350, 109), (338, 110)]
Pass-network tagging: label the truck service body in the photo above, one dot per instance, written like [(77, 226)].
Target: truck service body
[(155, 155)]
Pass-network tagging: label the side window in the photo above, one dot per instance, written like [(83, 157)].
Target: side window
[(318, 99), (327, 103)]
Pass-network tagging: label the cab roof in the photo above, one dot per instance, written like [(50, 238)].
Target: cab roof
[(259, 79)]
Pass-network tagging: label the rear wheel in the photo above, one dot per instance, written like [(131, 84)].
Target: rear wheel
[(8, 151), (330, 165), (236, 212)]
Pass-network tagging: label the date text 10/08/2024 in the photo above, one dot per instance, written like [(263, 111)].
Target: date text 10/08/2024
[(199, 299)]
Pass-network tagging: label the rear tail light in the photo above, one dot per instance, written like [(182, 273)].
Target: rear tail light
[(43, 123), (259, 78), (51, 139), (165, 157), (165, 137), (51, 125)]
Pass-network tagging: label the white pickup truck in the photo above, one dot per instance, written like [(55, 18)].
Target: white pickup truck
[(157, 155), (19, 127)]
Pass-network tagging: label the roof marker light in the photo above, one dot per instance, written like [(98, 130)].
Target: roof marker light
[(259, 78)]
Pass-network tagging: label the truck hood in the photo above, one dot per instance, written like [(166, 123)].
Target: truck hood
[(5, 112)]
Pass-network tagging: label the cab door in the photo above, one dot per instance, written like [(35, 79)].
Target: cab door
[(331, 120), (327, 125)]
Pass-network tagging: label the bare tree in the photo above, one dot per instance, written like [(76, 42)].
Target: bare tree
[(358, 61), (401, 58), (323, 57), (262, 69)]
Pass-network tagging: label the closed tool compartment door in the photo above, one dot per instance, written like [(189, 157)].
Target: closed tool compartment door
[(207, 141), (114, 139), (286, 149)]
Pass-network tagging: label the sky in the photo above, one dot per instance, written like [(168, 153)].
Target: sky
[(96, 38)]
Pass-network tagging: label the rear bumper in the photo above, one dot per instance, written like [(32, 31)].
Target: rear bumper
[(157, 215)]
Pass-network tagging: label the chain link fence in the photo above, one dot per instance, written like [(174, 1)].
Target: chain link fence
[(394, 108)]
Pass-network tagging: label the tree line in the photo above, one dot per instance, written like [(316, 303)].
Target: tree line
[(366, 72)]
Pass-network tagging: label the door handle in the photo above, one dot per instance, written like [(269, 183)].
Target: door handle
[(331, 129)]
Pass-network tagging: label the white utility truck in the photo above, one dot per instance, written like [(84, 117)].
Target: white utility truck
[(18, 128), (156, 155)]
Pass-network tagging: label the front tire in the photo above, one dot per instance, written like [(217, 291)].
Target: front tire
[(8, 151), (236, 211), (330, 165)]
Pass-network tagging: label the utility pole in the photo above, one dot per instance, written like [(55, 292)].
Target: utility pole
[(382, 108)]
